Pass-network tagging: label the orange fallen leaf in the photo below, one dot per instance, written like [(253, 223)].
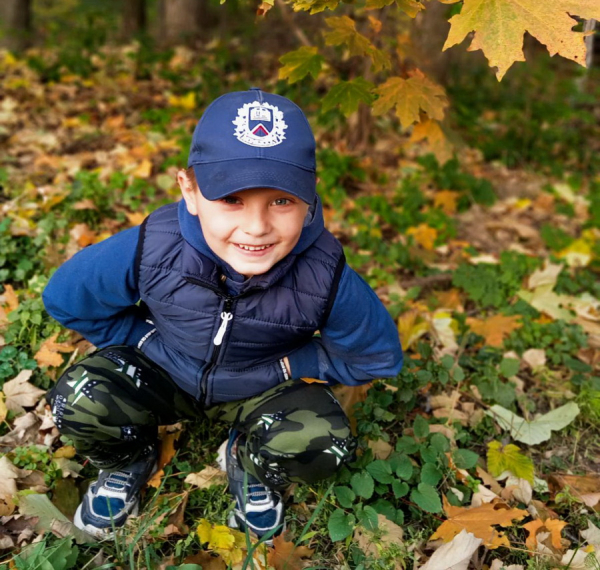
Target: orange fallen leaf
[(82, 234), (446, 200), (313, 381), (11, 301), (49, 353), (553, 526), (144, 170), (495, 329), (479, 521), (450, 299), (424, 235), (136, 218), (287, 556)]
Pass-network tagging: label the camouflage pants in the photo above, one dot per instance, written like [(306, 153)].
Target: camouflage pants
[(112, 402)]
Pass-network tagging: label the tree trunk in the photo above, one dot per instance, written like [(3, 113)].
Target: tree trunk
[(180, 20), (134, 18), (15, 24)]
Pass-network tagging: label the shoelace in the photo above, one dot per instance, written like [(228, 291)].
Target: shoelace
[(260, 492), (118, 480)]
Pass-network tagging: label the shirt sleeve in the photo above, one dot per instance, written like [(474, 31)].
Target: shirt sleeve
[(95, 292), (359, 343)]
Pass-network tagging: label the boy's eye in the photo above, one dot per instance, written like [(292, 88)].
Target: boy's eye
[(282, 201), (230, 200)]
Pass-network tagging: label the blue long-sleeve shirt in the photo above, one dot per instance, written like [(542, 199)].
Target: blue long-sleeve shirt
[(95, 293)]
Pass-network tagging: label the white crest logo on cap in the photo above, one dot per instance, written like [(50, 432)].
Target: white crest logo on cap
[(260, 124)]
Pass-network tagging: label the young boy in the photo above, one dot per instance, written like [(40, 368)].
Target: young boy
[(234, 281)]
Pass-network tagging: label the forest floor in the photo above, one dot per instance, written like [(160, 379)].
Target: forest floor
[(483, 452)]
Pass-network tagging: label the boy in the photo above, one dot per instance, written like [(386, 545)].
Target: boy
[(234, 282)]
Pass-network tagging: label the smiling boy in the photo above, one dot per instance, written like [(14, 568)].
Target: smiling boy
[(217, 306)]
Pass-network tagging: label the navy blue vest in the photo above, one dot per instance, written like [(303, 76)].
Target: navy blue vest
[(196, 317)]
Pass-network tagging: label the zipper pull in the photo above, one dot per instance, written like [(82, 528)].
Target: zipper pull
[(225, 318)]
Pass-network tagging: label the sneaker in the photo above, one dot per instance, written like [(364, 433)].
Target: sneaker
[(258, 508), (114, 496)]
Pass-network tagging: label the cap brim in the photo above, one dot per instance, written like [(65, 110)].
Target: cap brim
[(219, 179)]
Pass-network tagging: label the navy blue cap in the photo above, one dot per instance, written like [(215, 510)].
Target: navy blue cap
[(252, 139)]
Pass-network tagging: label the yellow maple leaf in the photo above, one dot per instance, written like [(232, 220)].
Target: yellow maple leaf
[(410, 97), (424, 235), (229, 543), (509, 458), (479, 521), (343, 32), (446, 200), (499, 28), (577, 254), (187, 101), (494, 329), (438, 143), (411, 327)]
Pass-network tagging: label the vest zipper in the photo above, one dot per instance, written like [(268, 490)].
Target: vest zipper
[(226, 316)]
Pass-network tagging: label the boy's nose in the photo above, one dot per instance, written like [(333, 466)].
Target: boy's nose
[(257, 224)]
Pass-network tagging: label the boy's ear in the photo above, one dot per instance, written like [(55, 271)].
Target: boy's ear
[(188, 191)]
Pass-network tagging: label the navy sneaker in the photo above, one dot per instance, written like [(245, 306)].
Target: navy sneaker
[(258, 508), (114, 496)]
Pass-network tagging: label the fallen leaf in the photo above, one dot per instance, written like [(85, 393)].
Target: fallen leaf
[(3, 408), (20, 393), (538, 430), (424, 235), (144, 169), (135, 218), (454, 555), (207, 477), (348, 397), (9, 298), (450, 300), (494, 329), (207, 560), (446, 200), (443, 150), (479, 521), (381, 449), (546, 276), (287, 556), (553, 526), (411, 327), (500, 565), (586, 488), (509, 458), (535, 357), (82, 235), (167, 452), (50, 352)]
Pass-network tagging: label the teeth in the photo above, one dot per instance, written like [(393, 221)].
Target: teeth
[(253, 248)]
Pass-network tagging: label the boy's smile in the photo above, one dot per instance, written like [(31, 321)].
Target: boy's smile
[(250, 230)]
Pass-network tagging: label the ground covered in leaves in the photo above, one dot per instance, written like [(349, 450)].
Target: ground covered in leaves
[(484, 451)]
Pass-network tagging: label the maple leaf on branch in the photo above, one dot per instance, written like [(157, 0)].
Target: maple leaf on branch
[(315, 6), (344, 33), (409, 7), (298, 64), (348, 95), (500, 26), (410, 97)]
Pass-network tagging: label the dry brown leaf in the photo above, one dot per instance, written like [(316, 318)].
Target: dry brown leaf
[(553, 526), (584, 487), (348, 396), (20, 393), (287, 556), (479, 521), (450, 299), (49, 353), (25, 431), (494, 329), (207, 477), (144, 170), (3, 409), (167, 452), (85, 204), (381, 449), (207, 560)]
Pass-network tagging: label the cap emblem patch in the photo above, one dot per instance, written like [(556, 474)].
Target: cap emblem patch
[(260, 124)]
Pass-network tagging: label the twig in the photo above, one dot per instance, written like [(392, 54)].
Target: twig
[(289, 20)]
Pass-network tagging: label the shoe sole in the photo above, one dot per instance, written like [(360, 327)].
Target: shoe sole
[(97, 532)]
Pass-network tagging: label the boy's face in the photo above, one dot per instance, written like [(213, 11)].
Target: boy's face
[(251, 230)]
